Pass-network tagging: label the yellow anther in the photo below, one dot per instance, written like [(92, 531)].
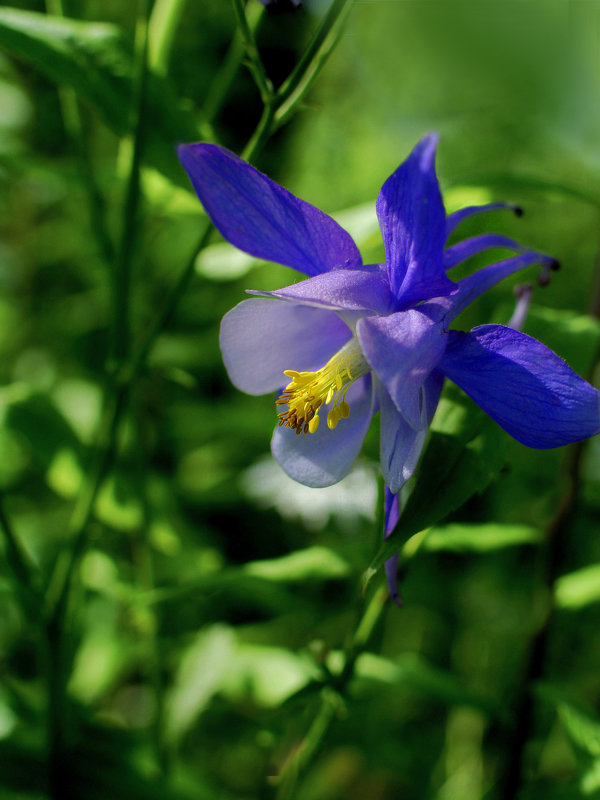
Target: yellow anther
[(333, 417), (308, 391)]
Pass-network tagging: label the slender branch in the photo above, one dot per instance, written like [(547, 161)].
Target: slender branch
[(223, 80), (291, 104), (74, 129), (255, 65), (122, 275), (289, 86), (144, 563)]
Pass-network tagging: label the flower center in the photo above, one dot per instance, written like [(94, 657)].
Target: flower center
[(308, 391)]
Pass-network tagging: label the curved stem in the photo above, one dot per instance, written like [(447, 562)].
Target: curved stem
[(255, 65), (289, 86), (123, 269)]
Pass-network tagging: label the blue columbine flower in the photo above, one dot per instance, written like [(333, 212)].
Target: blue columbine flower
[(354, 339)]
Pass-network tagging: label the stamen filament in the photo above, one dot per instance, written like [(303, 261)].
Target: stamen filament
[(308, 391)]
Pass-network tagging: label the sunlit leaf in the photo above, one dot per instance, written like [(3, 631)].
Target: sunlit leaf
[(199, 676), (579, 588), (310, 564), (472, 538), (266, 675)]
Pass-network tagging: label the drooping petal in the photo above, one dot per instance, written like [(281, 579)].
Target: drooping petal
[(326, 456), (402, 349), (348, 290), (525, 387), (400, 444), (413, 224), (261, 338), (391, 511), (457, 217), (261, 217), (469, 247), (473, 286)]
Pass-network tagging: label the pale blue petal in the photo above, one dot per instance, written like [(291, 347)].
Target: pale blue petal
[(325, 457), (402, 349), (400, 444), (261, 217), (525, 387), (346, 289), (261, 338)]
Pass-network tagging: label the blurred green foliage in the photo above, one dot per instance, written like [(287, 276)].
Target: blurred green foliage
[(219, 640)]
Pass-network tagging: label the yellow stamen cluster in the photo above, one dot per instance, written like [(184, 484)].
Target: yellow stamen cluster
[(308, 391)]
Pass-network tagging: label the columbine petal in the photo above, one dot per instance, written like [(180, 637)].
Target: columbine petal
[(457, 217), (261, 338), (401, 444), (402, 349), (347, 290), (326, 456), (413, 224), (525, 387), (469, 247), (264, 219)]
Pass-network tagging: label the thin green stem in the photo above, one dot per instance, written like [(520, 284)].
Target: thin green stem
[(122, 275), (289, 86), (164, 20), (336, 685), (261, 135), (74, 129), (291, 103), (255, 65), (144, 563), (331, 702)]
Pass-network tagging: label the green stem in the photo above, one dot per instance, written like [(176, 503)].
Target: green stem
[(224, 78), (331, 702), (164, 20), (261, 135), (145, 568), (289, 86), (75, 131), (291, 103), (122, 274), (255, 65)]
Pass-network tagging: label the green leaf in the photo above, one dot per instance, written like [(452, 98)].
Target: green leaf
[(313, 563), (93, 60), (466, 450), (198, 677), (579, 588), (465, 538)]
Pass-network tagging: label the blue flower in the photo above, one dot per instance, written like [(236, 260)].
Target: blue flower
[(354, 339)]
